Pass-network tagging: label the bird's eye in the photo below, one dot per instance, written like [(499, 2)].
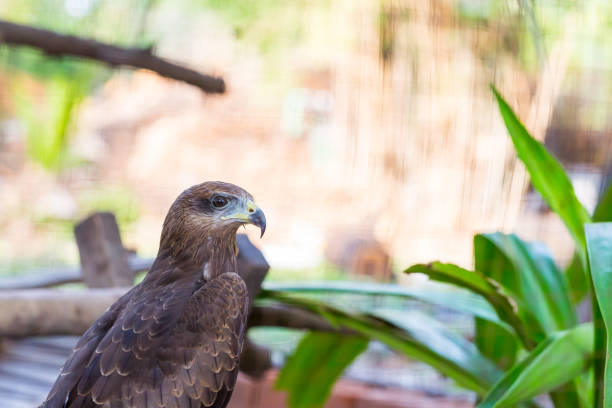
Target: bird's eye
[(219, 201)]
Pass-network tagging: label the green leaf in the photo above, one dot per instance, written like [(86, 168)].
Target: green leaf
[(439, 340), (556, 360), (528, 271), (576, 275), (495, 344), (599, 244), (547, 175), (489, 339), (507, 309), (316, 364), (575, 271), (426, 341), (447, 296)]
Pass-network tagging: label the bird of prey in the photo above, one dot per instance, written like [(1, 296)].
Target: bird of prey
[(174, 340)]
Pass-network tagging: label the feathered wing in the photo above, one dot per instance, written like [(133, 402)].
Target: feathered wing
[(176, 345)]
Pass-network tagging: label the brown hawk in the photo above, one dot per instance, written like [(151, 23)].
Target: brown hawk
[(174, 340)]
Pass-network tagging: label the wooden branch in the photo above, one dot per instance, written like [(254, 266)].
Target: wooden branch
[(43, 312), (103, 257), (292, 318), (58, 45)]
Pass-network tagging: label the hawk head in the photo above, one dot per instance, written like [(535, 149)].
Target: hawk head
[(211, 210)]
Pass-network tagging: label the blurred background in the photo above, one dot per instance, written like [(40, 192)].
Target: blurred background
[(365, 129)]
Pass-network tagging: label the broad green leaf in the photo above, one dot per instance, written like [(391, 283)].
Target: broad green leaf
[(549, 178), (507, 309), (547, 175), (528, 271), (556, 360), (425, 341), (447, 296), (489, 339), (315, 365), (575, 271), (495, 344), (579, 286), (599, 244)]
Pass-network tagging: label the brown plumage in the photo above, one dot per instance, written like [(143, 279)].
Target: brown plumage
[(175, 339)]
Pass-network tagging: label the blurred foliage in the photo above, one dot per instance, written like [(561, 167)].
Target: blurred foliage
[(46, 91), (116, 199), (252, 20), (536, 333), (540, 349), (47, 119), (281, 31), (324, 271), (530, 30), (16, 267)]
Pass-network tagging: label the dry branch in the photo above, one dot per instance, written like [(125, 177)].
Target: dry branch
[(59, 44), (42, 312), (290, 317)]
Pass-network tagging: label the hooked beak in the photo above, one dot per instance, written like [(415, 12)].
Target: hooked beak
[(259, 219), (252, 215)]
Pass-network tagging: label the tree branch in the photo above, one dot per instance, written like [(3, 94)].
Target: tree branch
[(292, 318), (59, 44), (44, 312)]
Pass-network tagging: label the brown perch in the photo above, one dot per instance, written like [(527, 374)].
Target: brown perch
[(59, 44)]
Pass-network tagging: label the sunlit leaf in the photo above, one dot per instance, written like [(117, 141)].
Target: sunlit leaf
[(547, 175), (555, 361)]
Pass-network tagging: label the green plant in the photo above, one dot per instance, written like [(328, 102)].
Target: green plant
[(528, 340), (46, 91)]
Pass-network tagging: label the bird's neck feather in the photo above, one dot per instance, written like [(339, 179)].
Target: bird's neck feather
[(213, 253)]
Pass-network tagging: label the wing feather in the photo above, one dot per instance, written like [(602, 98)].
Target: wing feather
[(171, 346)]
